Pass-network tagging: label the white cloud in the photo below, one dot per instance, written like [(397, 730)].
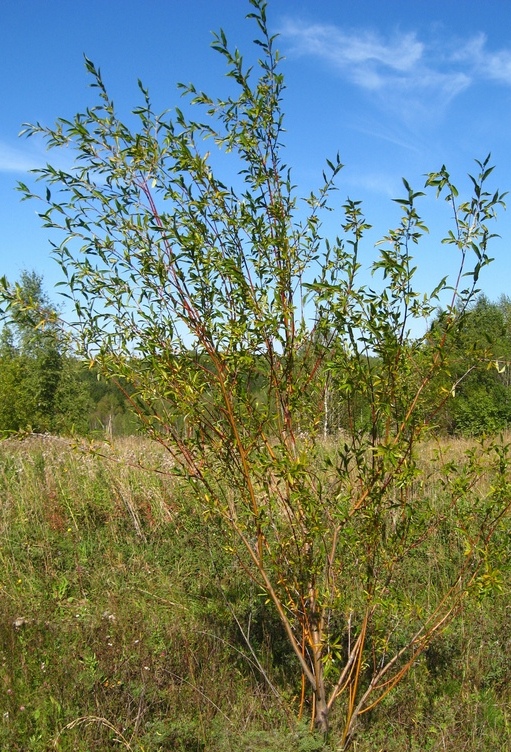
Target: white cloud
[(498, 67), (32, 155), (363, 57), (495, 66), (414, 77), (380, 183), (15, 160), (389, 132)]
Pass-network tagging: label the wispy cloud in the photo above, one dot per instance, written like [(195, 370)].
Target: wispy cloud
[(31, 155), (390, 132), (364, 58), (381, 183), (402, 71), (13, 159), (485, 64)]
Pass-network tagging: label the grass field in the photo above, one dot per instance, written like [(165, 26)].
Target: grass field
[(125, 625)]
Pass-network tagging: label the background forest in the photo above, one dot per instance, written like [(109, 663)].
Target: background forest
[(44, 388)]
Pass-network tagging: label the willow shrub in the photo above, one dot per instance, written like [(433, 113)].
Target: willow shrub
[(233, 323)]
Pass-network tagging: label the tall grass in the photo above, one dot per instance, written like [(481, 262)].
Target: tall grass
[(125, 624)]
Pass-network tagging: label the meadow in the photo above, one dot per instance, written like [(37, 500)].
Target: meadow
[(126, 624)]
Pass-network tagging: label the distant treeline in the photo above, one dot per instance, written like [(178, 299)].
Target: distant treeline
[(44, 388)]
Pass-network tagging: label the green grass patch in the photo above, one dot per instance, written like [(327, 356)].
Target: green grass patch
[(121, 621)]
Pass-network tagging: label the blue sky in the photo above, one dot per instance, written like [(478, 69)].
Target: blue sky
[(398, 88)]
